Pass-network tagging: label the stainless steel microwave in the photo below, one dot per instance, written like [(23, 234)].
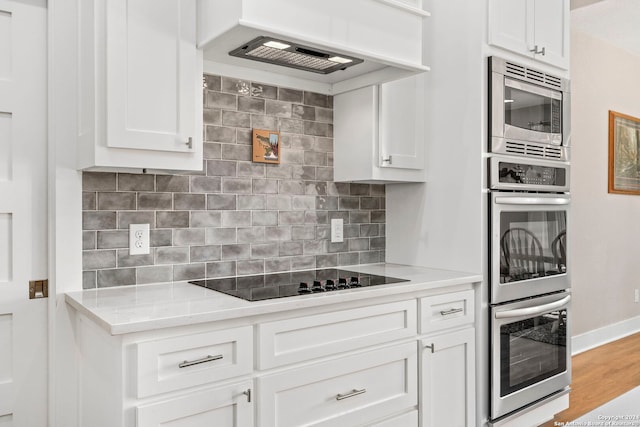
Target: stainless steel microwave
[(529, 112)]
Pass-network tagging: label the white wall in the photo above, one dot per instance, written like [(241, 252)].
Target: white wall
[(439, 224), (606, 227)]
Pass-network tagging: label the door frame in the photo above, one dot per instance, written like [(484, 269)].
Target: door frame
[(65, 212)]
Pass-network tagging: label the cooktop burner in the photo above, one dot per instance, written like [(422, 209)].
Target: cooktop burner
[(289, 284)]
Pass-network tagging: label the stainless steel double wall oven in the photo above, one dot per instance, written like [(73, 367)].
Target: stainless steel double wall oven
[(529, 266)]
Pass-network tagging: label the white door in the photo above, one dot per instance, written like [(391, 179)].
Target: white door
[(23, 212), (448, 380)]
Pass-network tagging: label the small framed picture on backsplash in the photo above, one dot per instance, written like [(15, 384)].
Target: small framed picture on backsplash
[(266, 146)]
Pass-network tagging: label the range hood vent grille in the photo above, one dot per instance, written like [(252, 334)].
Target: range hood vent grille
[(293, 55)]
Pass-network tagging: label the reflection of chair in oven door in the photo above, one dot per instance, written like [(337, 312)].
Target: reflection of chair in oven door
[(559, 249), (521, 254)]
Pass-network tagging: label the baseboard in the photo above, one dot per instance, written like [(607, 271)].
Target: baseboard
[(604, 335)]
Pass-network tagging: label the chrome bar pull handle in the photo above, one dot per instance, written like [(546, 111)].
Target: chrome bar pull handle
[(432, 347), (534, 50), (533, 311), (209, 358), (450, 311), (189, 143), (248, 394), (387, 160), (352, 393), (542, 52)]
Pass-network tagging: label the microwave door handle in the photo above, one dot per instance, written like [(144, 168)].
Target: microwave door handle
[(531, 311), (556, 201)]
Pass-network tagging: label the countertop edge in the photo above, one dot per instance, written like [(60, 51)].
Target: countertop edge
[(246, 309)]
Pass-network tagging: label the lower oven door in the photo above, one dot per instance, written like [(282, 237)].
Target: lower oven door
[(530, 351), (528, 245)]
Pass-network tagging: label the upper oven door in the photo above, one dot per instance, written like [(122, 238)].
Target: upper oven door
[(528, 244)]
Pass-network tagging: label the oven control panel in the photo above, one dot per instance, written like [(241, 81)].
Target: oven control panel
[(528, 175)]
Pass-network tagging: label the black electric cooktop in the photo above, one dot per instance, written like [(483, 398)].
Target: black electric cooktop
[(289, 284)]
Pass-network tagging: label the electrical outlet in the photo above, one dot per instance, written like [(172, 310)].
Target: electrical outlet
[(337, 230), (637, 295), (138, 239)]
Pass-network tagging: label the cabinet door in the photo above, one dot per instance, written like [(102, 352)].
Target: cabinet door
[(511, 25), (551, 31), (151, 75), (448, 380), (225, 407), (401, 127), (525, 26)]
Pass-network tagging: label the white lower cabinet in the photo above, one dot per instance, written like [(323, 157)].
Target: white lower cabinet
[(408, 419), (350, 365), (448, 379), (348, 391), (226, 406)]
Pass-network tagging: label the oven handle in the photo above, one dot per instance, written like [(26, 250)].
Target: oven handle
[(530, 311), (532, 201)]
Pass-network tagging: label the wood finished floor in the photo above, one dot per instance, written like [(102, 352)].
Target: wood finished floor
[(600, 375)]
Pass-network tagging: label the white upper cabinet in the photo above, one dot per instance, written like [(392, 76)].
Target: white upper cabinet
[(537, 29), (379, 133), (402, 124), (385, 34), (140, 85)]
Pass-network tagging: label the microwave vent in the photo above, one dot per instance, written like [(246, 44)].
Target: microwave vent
[(532, 75), (533, 150)]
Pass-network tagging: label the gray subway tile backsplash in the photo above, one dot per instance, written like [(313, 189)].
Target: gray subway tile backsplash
[(171, 219), (88, 240), (155, 201), (99, 220), (154, 274), (112, 239), (172, 255), (235, 217), (172, 183), (135, 182), (116, 277), (95, 181)]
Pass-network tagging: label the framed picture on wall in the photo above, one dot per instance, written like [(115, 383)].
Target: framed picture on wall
[(624, 154), (266, 146)]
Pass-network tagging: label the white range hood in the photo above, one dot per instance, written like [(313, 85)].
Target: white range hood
[(386, 35)]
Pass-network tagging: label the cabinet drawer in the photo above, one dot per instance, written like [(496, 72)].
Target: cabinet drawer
[(446, 311), (409, 419), (349, 391), (293, 340), (227, 406), (174, 363)]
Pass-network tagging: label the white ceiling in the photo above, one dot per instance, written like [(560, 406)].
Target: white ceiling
[(616, 21)]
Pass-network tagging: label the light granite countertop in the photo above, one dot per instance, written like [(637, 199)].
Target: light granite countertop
[(129, 309)]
